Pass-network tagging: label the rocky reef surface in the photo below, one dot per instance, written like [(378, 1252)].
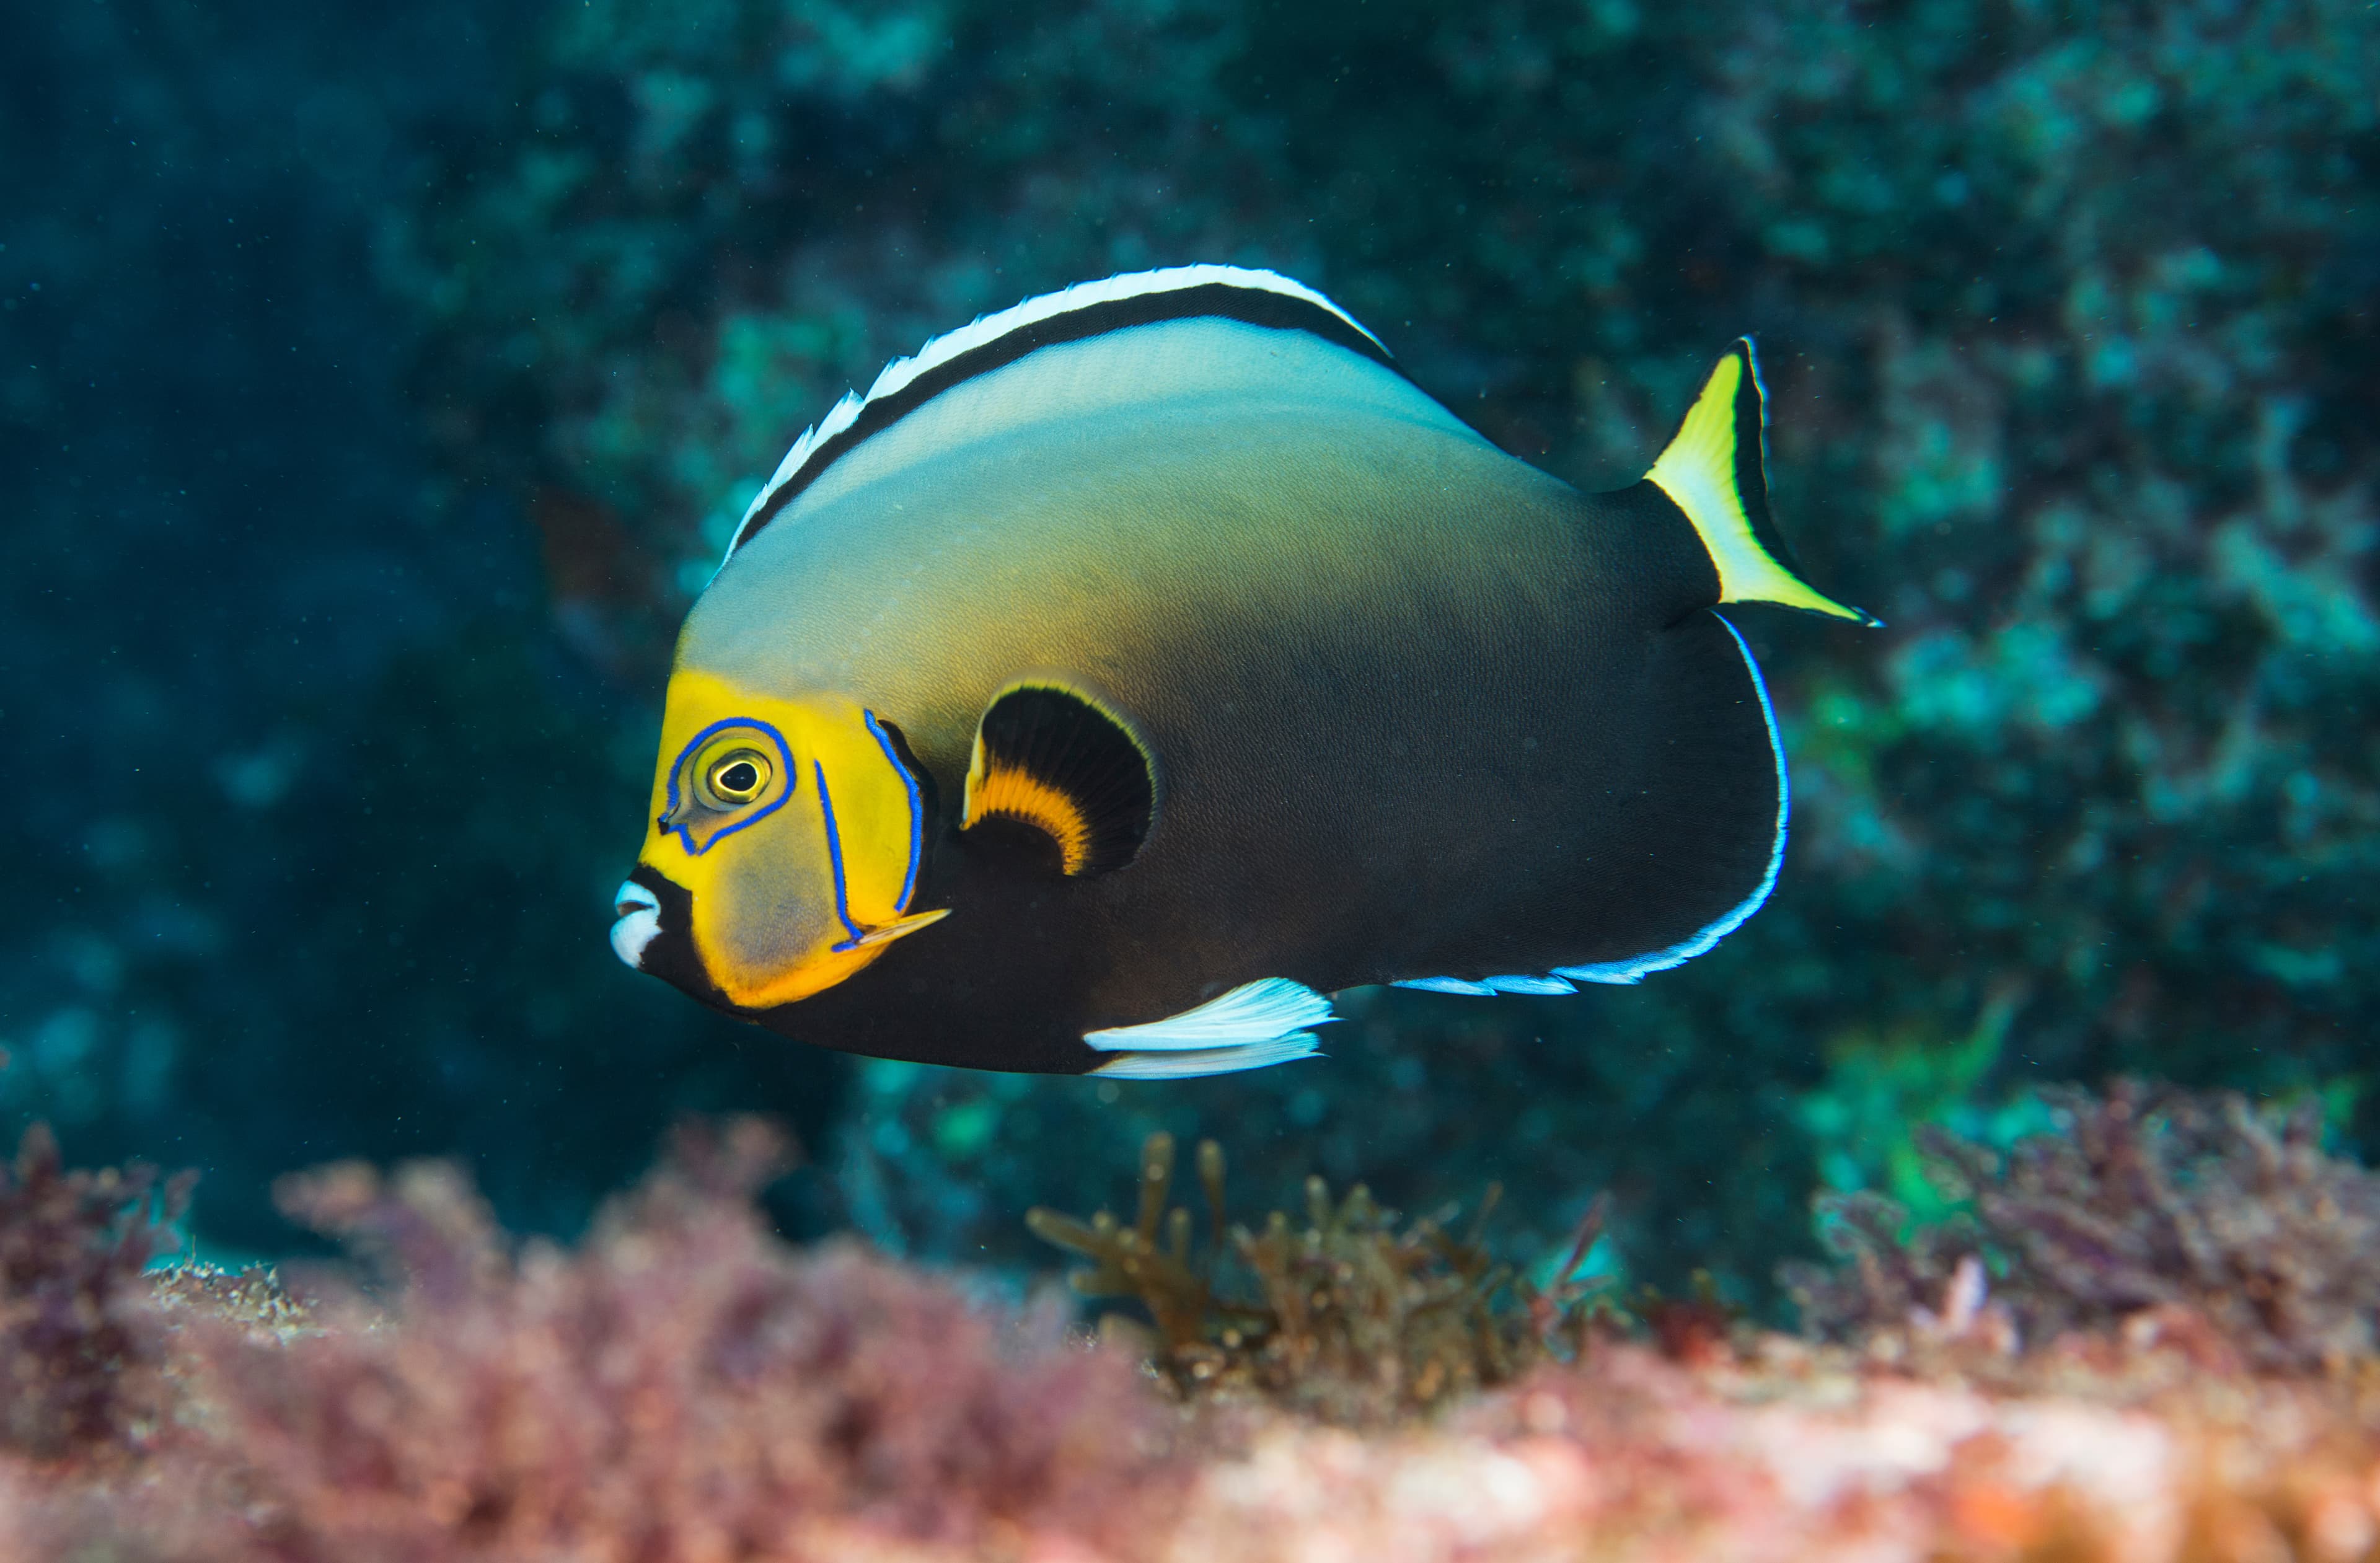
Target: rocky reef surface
[(2152, 1340)]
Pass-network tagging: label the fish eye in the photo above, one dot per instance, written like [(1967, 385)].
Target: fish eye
[(735, 778)]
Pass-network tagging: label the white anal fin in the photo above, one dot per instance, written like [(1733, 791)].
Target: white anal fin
[(1193, 1061), (1253, 1026), (1262, 1011)]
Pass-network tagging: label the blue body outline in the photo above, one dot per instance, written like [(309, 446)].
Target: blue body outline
[(834, 859), (917, 810), (1631, 970), (685, 833), (1635, 968)]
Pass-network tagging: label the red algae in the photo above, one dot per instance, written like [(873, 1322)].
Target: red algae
[(681, 1386), (80, 1349), (2221, 1219)]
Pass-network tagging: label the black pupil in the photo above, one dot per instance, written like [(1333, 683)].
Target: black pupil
[(740, 778)]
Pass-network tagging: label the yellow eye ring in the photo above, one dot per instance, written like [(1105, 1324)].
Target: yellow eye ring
[(735, 778)]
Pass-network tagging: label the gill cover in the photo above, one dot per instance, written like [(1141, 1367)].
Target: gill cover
[(796, 829)]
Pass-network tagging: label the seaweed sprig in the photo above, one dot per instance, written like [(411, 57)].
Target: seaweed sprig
[(1356, 1315), (79, 1354), (2149, 1206)]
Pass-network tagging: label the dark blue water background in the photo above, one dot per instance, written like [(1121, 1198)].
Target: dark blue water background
[(374, 389)]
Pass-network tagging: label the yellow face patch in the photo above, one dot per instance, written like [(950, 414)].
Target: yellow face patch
[(794, 828)]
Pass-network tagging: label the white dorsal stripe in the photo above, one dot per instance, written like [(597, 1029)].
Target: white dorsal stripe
[(1264, 1010), (898, 374), (1210, 1061)]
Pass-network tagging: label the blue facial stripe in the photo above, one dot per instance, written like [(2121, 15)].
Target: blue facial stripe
[(834, 857), (685, 833), (917, 811)]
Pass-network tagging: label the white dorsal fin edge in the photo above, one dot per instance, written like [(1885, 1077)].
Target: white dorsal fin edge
[(901, 373), (1267, 1009)]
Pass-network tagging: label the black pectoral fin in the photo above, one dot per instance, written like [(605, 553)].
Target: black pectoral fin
[(1062, 762)]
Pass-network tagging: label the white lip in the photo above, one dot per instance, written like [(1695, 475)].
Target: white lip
[(641, 919)]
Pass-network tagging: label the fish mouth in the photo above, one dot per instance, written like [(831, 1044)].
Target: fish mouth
[(639, 914)]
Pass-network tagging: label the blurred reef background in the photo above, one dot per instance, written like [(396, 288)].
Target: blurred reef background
[(376, 392)]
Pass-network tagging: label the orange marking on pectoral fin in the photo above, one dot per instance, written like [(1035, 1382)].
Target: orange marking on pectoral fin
[(1062, 762), (1012, 795)]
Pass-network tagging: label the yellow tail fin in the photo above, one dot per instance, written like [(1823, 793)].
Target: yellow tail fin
[(1713, 471)]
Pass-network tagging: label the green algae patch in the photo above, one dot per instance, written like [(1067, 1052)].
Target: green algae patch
[(1350, 1314)]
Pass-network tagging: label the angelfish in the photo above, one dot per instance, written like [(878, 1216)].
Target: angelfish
[(1134, 669)]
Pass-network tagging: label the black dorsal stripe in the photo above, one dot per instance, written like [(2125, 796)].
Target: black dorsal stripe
[(1251, 306)]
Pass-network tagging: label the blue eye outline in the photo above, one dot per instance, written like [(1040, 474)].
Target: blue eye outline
[(685, 833)]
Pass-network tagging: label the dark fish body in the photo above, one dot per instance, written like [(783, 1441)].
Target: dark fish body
[(1417, 711)]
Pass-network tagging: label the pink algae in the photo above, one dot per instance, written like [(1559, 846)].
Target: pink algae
[(681, 1386)]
